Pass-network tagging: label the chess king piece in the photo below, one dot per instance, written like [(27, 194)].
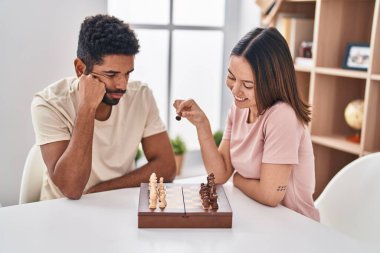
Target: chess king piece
[(153, 183), (152, 189), (153, 199)]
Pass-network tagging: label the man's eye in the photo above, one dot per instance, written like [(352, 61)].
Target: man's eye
[(110, 75)]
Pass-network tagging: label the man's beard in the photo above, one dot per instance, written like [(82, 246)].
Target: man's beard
[(112, 101)]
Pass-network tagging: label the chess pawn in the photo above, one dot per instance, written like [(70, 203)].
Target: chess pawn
[(162, 200)]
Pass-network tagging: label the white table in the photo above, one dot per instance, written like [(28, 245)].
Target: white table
[(107, 222)]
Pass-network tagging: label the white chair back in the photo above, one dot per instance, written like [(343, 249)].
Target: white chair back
[(350, 202), (31, 181)]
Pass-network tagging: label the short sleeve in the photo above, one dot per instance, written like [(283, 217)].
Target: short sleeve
[(154, 124), (48, 125), (282, 136), (227, 130)]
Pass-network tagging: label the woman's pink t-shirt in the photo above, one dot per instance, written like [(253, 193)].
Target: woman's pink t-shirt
[(276, 137)]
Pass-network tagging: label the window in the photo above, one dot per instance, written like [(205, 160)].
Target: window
[(181, 55)]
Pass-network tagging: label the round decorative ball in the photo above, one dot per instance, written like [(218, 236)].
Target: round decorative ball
[(353, 114)]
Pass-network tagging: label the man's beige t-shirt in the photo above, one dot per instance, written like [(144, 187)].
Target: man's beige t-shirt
[(115, 140)]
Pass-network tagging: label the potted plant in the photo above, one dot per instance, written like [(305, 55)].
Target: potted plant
[(179, 149), (139, 154), (218, 135)]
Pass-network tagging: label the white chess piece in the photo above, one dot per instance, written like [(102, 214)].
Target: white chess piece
[(153, 199), (162, 201), (161, 186), (152, 181)]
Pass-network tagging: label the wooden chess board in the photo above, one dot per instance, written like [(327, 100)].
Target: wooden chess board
[(184, 209)]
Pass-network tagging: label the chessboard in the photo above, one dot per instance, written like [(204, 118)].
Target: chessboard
[(184, 209)]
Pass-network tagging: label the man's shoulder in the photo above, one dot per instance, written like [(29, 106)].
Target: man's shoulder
[(139, 89), (58, 90), (137, 86)]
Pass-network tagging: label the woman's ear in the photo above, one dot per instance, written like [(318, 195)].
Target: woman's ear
[(80, 67)]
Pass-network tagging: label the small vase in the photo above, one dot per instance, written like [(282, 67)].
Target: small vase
[(178, 163)]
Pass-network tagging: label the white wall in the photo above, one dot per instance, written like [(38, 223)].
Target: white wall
[(38, 41), (249, 16)]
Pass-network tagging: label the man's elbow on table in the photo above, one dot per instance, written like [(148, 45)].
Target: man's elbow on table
[(73, 195), (169, 172), (71, 192)]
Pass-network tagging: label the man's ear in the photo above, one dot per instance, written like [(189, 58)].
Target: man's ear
[(80, 67)]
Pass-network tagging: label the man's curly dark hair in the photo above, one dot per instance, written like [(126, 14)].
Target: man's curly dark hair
[(102, 35)]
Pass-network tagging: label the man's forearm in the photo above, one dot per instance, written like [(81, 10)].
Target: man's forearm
[(73, 169), (135, 177)]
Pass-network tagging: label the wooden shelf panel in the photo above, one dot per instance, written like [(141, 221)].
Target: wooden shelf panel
[(342, 72), (300, 68), (331, 95), (328, 162), (342, 22), (367, 152), (304, 8), (375, 77), (337, 142), (375, 41), (300, 1), (371, 124)]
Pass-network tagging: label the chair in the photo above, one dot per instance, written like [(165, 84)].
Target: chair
[(350, 202), (32, 175)]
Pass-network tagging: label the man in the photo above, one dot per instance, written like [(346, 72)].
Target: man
[(89, 127)]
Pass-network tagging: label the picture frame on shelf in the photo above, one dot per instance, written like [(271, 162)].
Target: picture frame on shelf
[(356, 56)]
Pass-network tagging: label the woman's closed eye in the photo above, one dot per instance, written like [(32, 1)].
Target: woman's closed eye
[(248, 85), (231, 77)]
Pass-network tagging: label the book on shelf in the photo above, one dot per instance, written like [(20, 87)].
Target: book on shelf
[(295, 29)]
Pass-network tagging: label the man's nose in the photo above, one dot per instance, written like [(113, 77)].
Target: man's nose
[(121, 82)]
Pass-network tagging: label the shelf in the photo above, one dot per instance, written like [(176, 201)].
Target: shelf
[(375, 77), (342, 72), (367, 152), (300, 68), (337, 142)]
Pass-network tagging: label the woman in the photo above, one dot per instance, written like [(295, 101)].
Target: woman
[(266, 145)]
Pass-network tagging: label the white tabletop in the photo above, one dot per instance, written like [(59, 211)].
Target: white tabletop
[(107, 222)]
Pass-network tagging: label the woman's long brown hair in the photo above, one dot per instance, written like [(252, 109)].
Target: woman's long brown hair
[(268, 54)]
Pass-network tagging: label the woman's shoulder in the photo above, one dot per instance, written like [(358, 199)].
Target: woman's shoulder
[(280, 109), (280, 112)]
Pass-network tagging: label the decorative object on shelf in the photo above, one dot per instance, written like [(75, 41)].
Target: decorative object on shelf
[(179, 149), (218, 135), (305, 49), (356, 56), (353, 114)]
